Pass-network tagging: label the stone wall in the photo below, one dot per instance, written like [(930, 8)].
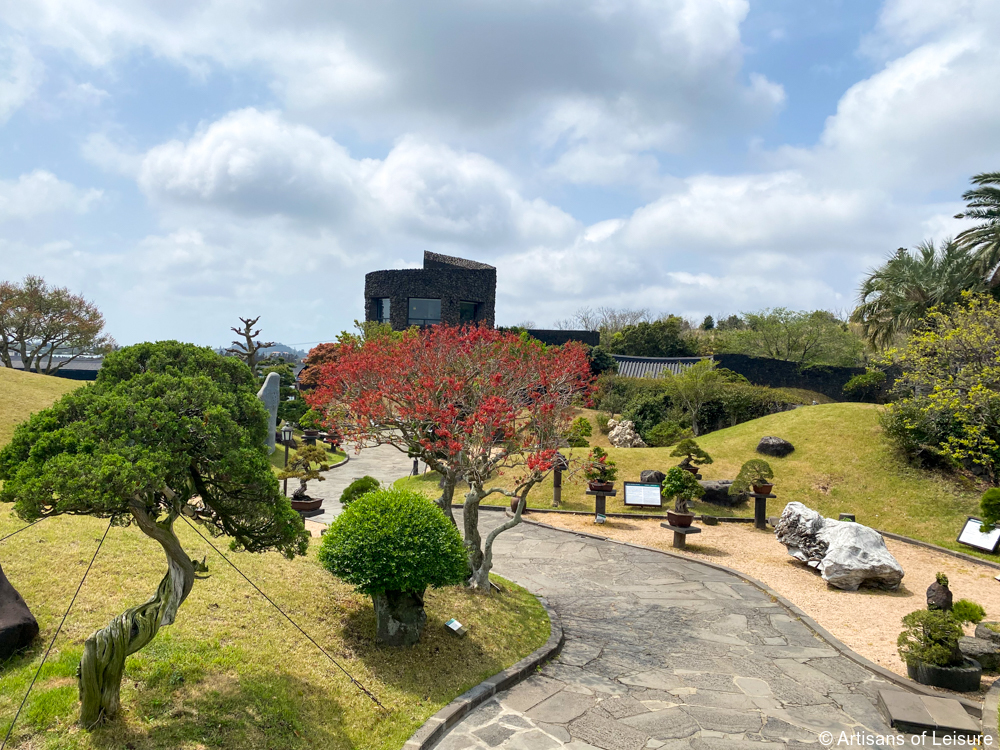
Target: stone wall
[(558, 338), (778, 373)]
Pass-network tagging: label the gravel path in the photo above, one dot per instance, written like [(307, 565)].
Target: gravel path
[(662, 653)]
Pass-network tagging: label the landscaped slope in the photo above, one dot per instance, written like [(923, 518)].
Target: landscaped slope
[(22, 393), (842, 463)]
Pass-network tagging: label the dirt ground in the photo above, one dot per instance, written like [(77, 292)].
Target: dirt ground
[(867, 620)]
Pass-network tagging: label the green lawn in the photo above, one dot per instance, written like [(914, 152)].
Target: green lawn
[(842, 463), (231, 672)]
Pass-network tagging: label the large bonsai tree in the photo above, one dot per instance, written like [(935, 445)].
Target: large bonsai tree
[(472, 403), (391, 545), (167, 429)]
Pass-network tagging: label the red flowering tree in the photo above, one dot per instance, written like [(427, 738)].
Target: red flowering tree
[(473, 403)]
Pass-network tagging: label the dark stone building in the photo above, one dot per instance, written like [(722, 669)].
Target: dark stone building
[(446, 290)]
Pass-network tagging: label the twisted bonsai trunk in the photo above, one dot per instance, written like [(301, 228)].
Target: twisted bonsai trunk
[(103, 662)]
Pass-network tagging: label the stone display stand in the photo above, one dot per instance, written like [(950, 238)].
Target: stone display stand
[(760, 509), (600, 501), (680, 534)]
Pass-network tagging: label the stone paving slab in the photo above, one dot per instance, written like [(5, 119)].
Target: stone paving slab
[(666, 655), (383, 462)]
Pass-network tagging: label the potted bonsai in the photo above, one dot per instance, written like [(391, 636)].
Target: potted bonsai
[(929, 644), (693, 455), (680, 486), (306, 466), (600, 471), (755, 473)]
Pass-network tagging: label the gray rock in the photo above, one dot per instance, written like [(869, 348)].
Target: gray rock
[(623, 435), (846, 554), (399, 617), (717, 493), (938, 596), (270, 393), (652, 476), (985, 652), (987, 633), (18, 626), (774, 446)]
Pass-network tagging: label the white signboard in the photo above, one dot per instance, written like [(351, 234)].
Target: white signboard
[(643, 495), (972, 536)]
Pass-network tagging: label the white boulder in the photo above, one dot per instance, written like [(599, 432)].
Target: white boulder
[(847, 554), (623, 435)]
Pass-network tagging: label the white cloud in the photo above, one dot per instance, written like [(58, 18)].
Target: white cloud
[(20, 76), (41, 192)]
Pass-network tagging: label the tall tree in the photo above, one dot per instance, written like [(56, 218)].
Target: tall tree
[(800, 336), (38, 321), (983, 240), (472, 403), (659, 338), (694, 387), (167, 429), (248, 348), (898, 294)]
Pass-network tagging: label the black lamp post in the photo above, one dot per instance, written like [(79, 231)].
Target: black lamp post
[(286, 438)]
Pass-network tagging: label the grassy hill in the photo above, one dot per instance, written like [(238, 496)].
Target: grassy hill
[(842, 463), (22, 393)]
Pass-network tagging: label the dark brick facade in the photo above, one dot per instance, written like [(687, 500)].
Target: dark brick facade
[(451, 280)]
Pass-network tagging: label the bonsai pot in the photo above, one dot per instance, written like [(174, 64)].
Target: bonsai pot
[(963, 678), (689, 467), (310, 433), (308, 504), (514, 502), (763, 489), (679, 519), (595, 486)]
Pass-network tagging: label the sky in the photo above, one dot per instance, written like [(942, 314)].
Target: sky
[(183, 163)]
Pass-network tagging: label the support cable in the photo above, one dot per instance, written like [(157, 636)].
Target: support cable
[(56, 635), (23, 528), (312, 640)]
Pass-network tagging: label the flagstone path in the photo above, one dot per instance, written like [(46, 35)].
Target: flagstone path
[(664, 653), (383, 462)]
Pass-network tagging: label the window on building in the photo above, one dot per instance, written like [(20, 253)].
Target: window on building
[(424, 312), (467, 311), (382, 310)]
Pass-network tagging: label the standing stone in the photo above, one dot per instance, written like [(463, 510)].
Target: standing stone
[(846, 554), (939, 596), (18, 626), (652, 476), (269, 393), (774, 446)]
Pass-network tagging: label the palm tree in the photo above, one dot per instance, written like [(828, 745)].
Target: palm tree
[(983, 240), (897, 294)]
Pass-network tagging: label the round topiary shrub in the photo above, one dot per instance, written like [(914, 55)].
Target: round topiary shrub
[(391, 545), (357, 488)]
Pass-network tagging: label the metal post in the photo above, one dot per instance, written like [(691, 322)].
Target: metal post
[(416, 468), (285, 490), (556, 488)]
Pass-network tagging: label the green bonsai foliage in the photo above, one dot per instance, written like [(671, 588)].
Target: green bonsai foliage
[(682, 487), (166, 429), (578, 433), (754, 472), (602, 423), (964, 611), (942, 579), (599, 467), (391, 545), (989, 505), (357, 488), (930, 637), (311, 420), (306, 466), (665, 433), (692, 453)]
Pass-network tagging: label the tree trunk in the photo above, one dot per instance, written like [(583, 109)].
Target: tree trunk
[(103, 662), (447, 496), (470, 518), (399, 617), (480, 579)]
